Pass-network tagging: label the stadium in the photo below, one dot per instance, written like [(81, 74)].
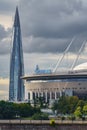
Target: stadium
[(53, 84)]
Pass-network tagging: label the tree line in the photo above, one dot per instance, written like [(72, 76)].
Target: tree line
[(70, 105), (10, 110), (66, 105)]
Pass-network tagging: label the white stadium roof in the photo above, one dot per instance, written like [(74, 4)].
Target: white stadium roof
[(82, 66)]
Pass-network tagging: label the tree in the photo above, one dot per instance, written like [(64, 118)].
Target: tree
[(25, 110), (40, 116), (9, 110), (85, 110), (39, 101), (80, 103), (78, 112), (66, 104), (73, 101), (6, 110), (55, 106)]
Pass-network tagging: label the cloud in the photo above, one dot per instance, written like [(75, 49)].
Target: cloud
[(5, 46), (47, 26), (4, 81), (49, 22), (4, 65), (3, 32), (44, 45), (4, 84), (50, 18), (5, 40), (8, 6)]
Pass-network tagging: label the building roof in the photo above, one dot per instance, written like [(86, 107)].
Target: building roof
[(82, 66)]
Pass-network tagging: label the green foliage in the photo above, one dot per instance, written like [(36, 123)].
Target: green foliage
[(85, 110), (70, 105), (36, 116), (66, 104), (78, 112), (71, 117), (9, 110), (55, 106), (62, 118), (83, 118), (6, 110), (52, 122), (39, 101), (81, 103), (25, 110), (40, 116)]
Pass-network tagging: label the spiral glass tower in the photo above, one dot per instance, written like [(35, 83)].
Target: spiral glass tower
[(16, 85)]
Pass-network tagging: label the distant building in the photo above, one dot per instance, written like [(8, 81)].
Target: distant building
[(16, 86)]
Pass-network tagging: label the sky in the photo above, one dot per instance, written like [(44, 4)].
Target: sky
[(48, 26)]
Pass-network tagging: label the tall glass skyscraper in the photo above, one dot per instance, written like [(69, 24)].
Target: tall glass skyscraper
[(16, 86)]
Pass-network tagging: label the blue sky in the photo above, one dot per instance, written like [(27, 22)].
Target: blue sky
[(47, 28)]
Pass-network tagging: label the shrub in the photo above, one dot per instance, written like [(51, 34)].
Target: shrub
[(40, 116), (62, 118), (52, 122), (72, 117), (83, 118)]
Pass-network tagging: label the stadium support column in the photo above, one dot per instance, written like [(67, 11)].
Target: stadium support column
[(60, 93), (38, 94), (46, 96), (35, 95), (31, 95), (50, 96), (55, 95)]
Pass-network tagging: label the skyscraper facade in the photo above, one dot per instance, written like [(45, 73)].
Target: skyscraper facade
[(16, 85)]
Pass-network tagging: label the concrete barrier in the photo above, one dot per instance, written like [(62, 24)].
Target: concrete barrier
[(42, 125)]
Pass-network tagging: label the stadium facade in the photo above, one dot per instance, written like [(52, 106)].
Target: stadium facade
[(54, 85), (16, 86)]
